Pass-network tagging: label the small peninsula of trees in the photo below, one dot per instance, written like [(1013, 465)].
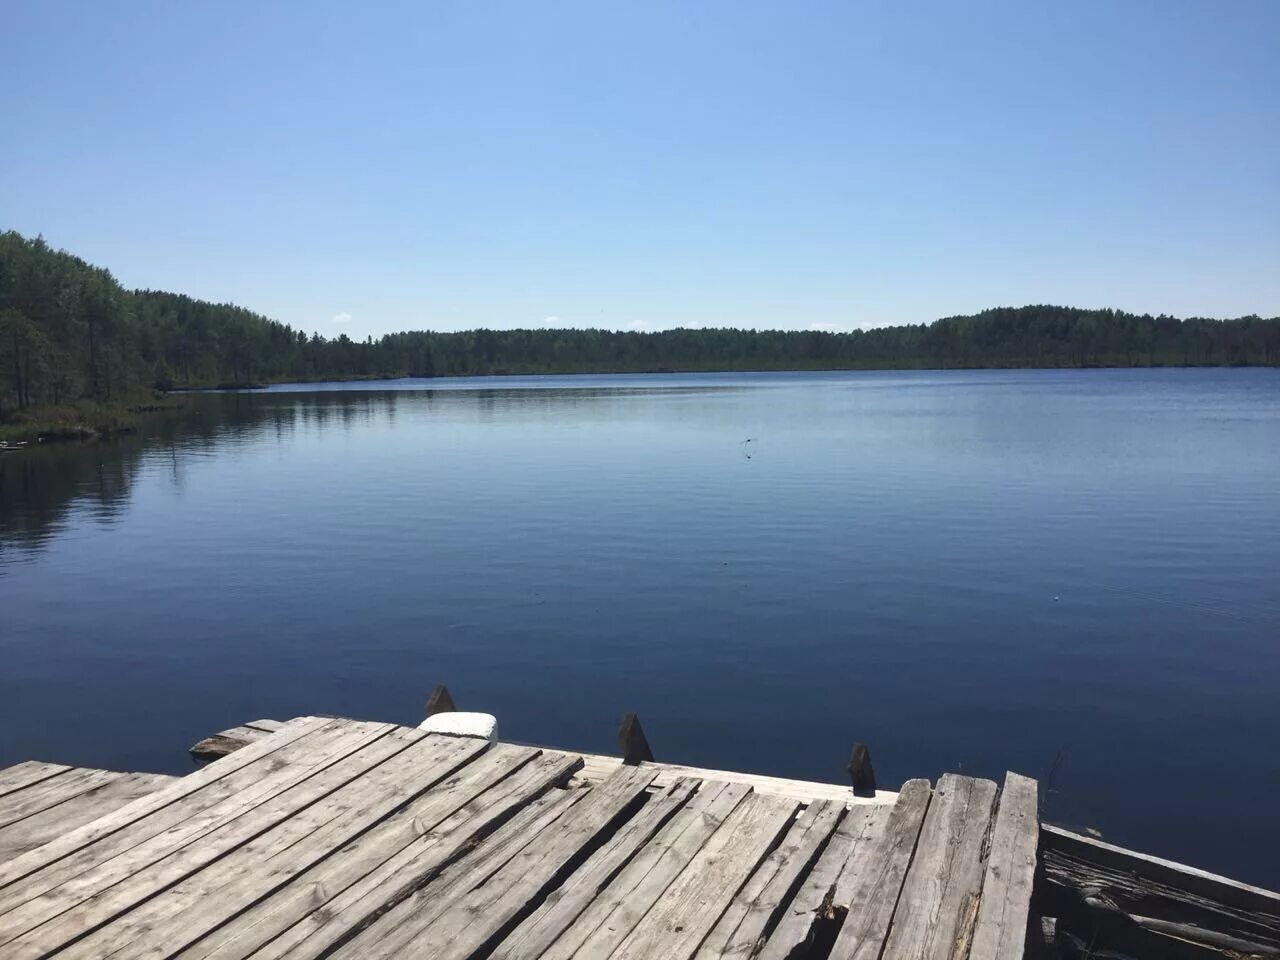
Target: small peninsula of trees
[(68, 330)]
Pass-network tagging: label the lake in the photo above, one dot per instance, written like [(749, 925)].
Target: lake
[(1074, 574)]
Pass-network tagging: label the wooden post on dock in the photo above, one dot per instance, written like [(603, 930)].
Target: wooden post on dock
[(440, 701), (632, 743), (860, 772)]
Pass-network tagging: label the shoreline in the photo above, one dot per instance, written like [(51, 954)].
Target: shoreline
[(79, 422)]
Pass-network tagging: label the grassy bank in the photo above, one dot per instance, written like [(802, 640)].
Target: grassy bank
[(81, 419)]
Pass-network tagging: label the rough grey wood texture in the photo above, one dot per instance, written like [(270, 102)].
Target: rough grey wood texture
[(223, 889), (117, 845), (1001, 931), (227, 741), (1140, 891), (871, 883), (690, 907), (488, 910), (815, 901), (90, 898), (938, 905), (439, 869), (605, 923), (312, 889), (336, 838), (23, 867), (54, 821), (740, 931), (563, 907), (48, 793), (271, 726), (22, 775)]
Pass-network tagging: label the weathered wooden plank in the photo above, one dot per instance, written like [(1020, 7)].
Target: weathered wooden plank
[(597, 767), (159, 831), (49, 793), (938, 906), (605, 922), (276, 879), (1210, 886), (742, 927), (271, 726), (446, 822), (1001, 930), (485, 912), (93, 832), (40, 828), (223, 889), (1095, 927), (225, 742), (816, 899), (22, 775), (88, 899), (565, 904), (505, 819), (805, 791), (246, 732), (868, 887), (1098, 889), (694, 902)]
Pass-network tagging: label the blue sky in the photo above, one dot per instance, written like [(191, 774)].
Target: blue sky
[(362, 168)]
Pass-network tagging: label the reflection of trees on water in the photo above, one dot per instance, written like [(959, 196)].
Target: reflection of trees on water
[(40, 487)]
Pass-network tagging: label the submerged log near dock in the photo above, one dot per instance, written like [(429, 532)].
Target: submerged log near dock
[(329, 837)]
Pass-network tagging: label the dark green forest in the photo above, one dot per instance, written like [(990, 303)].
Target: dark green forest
[(68, 330)]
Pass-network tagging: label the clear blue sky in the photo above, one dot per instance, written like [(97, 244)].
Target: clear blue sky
[(450, 165)]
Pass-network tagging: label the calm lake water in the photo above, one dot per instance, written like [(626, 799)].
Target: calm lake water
[(970, 571)]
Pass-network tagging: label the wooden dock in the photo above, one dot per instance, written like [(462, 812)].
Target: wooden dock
[(329, 837), (344, 838)]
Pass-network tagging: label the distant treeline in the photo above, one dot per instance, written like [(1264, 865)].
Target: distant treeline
[(68, 330)]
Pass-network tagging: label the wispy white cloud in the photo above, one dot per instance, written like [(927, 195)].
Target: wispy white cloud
[(649, 326), (825, 327), (343, 317), (552, 321)]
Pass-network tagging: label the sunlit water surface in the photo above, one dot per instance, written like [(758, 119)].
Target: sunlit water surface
[(969, 571)]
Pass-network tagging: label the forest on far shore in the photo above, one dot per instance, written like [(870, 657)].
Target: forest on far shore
[(69, 331)]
